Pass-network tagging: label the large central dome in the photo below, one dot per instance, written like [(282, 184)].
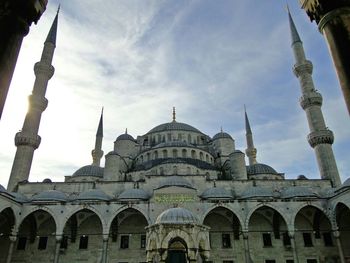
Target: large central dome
[(174, 125)]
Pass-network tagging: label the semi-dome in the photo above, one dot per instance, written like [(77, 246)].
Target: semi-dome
[(216, 193), (89, 170), (174, 125), (260, 168), (257, 192), (50, 195), (175, 181), (93, 194), (222, 135), (125, 137), (134, 194), (176, 215), (297, 191)]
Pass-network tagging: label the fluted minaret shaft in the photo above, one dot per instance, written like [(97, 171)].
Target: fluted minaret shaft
[(320, 137), (251, 150), (97, 153), (27, 140)]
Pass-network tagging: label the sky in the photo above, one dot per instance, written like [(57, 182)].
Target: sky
[(139, 58)]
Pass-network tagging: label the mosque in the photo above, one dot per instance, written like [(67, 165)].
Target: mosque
[(176, 194)]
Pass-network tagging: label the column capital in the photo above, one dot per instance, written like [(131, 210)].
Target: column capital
[(13, 238)]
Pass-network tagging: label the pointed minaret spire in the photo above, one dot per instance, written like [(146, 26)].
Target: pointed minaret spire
[(99, 132), (251, 150), (293, 30), (51, 37), (97, 153), (174, 114), (320, 137), (28, 140)]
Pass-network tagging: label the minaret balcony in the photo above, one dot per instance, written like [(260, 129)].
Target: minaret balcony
[(320, 137), (313, 98), (37, 103), (41, 68), (23, 138), (305, 67)]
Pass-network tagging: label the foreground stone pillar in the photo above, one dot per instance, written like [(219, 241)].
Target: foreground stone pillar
[(16, 16), (336, 235), (13, 239), (333, 20), (246, 246)]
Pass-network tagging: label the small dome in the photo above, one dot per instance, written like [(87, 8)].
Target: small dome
[(216, 193), (176, 215), (297, 191), (260, 168), (134, 194), (256, 192), (125, 137), (302, 177), (2, 189), (327, 193), (222, 135), (47, 180), (50, 195), (173, 126), (346, 183), (89, 170), (19, 197), (93, 194), (175, 181)]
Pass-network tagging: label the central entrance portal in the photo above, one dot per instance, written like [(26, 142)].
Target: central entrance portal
[(177, 251)]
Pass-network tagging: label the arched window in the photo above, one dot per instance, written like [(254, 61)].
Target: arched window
[(193, 154), (161, 171), (155, 155), (158, 138), (184, 153), (148, 157), (207, 158), (141, 158), (189, 139), (165, 154), (201, 156), (175, 153), (175, 170)]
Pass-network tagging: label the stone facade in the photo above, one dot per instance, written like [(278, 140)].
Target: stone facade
[(176, 194)]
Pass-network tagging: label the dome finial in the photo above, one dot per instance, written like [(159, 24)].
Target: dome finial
[(221, 129), (174, 114), (126, 130)]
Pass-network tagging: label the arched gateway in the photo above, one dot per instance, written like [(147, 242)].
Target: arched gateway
[(177, 237)]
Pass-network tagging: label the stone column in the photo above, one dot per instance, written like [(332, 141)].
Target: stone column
[(57, 248), (246, 246), (294, 249), (105, 248), (333, 20), (336, 235), (13, 239), (16, 16)]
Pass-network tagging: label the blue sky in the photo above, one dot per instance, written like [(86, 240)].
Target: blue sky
[(207, 58)]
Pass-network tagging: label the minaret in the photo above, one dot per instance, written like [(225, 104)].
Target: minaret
[(320, 137), (251, 150), (97, 153), (27, 140)]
